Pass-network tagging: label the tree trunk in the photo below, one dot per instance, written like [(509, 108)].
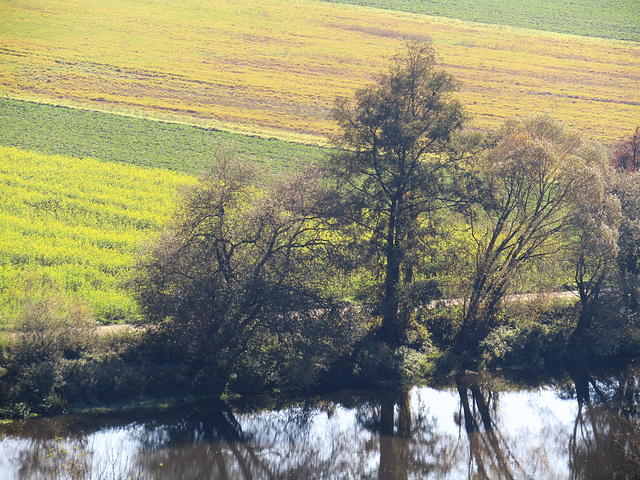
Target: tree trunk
[(390, 331), (470, 320), (584, 320), (629, 274)]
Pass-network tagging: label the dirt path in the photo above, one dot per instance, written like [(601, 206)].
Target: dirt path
[(520, 297), (118, 328), (449, 302)]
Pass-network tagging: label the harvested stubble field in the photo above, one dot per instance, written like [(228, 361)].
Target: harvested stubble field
[(274, 67)]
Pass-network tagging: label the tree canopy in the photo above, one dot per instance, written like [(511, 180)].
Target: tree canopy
[(393, 150), (259, 278), (238, 261)]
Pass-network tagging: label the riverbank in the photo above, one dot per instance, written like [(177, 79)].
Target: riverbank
[(72, 366)]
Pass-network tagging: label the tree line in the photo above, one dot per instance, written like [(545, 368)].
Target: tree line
[(408, 192), (332, 276)]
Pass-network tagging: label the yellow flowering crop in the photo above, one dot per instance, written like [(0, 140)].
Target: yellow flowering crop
[(78, 223)]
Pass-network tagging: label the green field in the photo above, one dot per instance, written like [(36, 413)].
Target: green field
[(138, 141), (77, 224), (619, 19)]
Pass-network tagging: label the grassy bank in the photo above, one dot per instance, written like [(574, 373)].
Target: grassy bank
[(55, 361)]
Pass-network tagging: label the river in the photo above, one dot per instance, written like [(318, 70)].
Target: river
[(580, 425)]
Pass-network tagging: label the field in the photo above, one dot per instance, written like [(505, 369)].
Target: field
[(619, 19), (77, 224), (274, 67), (75, 213), (139, 141)]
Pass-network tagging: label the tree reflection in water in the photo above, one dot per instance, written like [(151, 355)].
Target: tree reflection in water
[(65, 448), (587, 426), (363, 437), (491, 454), (605, 442), (409, 444)]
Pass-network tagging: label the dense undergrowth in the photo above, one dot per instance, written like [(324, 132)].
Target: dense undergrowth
[(55, 360)]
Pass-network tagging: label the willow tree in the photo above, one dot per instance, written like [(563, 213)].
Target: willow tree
[(529, 185), (392, 146), (593, 233), (627, 189)]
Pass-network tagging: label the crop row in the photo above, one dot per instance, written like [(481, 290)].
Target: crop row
[(276, 66), (78, 223)]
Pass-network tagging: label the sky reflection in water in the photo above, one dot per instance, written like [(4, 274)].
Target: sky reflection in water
[(584, 426)]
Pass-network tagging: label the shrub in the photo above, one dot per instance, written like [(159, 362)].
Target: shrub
[(308, 350), (537, 335), (54, 357), (615, 331), (442, 324), (50, 329)]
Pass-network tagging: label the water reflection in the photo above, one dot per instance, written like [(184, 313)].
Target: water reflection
[(583, 426), (488, 449), (606, 432)]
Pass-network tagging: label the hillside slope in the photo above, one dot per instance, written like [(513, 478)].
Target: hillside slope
[(274, 67)]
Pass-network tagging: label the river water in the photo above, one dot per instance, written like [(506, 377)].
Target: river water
[(583, 425)]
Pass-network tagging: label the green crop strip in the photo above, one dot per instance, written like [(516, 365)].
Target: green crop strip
[(617, 19), (138, 141)]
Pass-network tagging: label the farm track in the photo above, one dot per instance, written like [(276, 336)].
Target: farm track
[(520, 297), (526, 297), (118, 328)]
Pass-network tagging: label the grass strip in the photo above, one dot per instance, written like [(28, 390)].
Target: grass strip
[(617, 19), (57, 130)]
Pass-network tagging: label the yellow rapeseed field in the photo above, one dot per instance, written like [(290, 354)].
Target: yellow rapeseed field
[(275, 66), (77, 223)]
